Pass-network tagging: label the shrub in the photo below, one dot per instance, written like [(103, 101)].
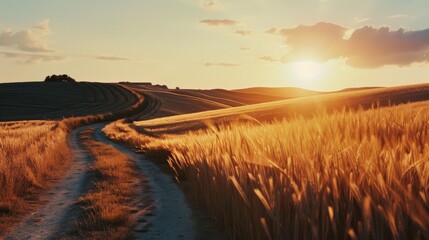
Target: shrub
[(59, 78)]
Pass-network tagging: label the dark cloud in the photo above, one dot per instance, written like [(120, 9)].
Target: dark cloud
[(369, 47), (242, 32), (221, 64), (219, 22), (366, 47), (32, 58), (29, 40)]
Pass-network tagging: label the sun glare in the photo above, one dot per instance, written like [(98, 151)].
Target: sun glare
[(307, 70)]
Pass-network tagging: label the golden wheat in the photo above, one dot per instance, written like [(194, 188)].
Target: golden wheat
[(30, 153), (350, 174)]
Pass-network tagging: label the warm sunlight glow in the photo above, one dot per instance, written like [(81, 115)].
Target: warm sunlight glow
[(307, 70)]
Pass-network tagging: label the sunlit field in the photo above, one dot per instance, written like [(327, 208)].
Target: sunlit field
[(30, 153), (214, 120), (360, 174)]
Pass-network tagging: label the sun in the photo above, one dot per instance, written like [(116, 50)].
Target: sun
[(307, 70)]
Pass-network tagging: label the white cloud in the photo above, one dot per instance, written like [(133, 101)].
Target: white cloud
[(29, 40), (361, 20), (43, 26), (397, 16)]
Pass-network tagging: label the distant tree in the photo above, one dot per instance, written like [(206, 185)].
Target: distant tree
[(177, 88), (59, 78), (161, 86)]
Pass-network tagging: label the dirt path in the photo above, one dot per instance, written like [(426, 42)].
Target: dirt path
[(59, 211), (172, 217)]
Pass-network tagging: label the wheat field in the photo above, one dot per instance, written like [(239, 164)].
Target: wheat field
[(30, 153), (352, 174)]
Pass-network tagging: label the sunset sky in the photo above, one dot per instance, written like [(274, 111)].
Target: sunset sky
[(315, 44)]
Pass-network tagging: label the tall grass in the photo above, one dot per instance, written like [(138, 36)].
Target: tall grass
[(30, 153), (352, 174)]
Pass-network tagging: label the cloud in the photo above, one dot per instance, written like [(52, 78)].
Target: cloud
[(369, 47), (242, 32), (272, 31), (245, 48), (268, 59), (319, 42), (111, 58), (366, 47), (361, 20), (399, 16), (32, 58), (29, 40), (43, 26), (210, 5), (221, 64), (219, 22)]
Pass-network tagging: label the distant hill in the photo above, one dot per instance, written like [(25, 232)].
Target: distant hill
[(284, 92), (181, 101), (358, 89)]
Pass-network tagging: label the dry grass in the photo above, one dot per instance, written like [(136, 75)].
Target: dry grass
[(352, 174), (30, 153), (107, 208)]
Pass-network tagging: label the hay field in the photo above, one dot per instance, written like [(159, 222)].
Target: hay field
[(323, 173)]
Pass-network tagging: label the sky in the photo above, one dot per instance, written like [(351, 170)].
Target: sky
[(316, 44)]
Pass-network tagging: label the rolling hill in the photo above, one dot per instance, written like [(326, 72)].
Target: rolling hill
[(40, 101), (307, 106)]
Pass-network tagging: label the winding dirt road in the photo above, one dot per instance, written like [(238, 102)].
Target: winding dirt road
[(49, 219), (172, 216)]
